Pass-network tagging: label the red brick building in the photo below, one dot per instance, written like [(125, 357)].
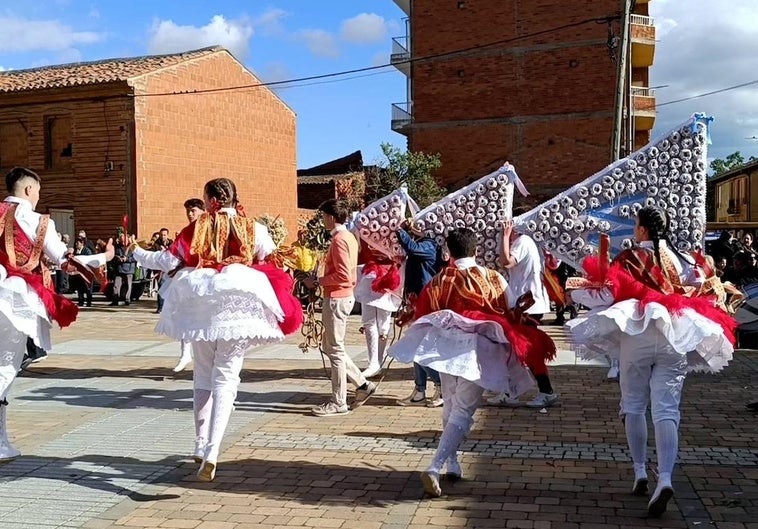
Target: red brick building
[(544, 100), (113, 137)]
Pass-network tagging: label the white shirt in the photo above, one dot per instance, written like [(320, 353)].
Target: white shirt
[(166, 261), (53, 248), (526, 275), (468, 262)]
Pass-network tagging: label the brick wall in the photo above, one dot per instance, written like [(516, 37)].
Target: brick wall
[(544, 103), (182, 141), (78, 182)]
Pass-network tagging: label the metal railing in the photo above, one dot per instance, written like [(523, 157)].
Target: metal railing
[(642, 20), (400, 49), (402, 114), (643, 91)]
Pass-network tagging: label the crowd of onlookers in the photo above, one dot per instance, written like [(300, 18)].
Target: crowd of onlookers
[(735, 256), (127, 282)]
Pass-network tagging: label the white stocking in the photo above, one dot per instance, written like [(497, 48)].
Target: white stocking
[(636, 436), (666, 447), (203, 403), (223, 404), (451, 438)]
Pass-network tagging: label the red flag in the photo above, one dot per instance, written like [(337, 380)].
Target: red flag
[(125, 226)]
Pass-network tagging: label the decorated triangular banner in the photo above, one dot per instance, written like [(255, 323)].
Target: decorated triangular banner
[(482, 206), (377, 224), (669, 173)]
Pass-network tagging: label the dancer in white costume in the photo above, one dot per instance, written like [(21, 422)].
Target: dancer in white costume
[(466, 330), (379, 291), (193, 207), (223, 303), (648, 309), (28, 302)]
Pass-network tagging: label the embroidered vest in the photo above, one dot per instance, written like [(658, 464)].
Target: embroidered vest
[(18, 251)]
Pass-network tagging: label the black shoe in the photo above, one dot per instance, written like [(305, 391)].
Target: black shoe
[(80, 304), (89, 304), (114, 304), (127, 303), (753, 406)]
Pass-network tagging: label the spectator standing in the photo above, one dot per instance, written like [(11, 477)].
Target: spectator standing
[(124, 272), (162, 243)]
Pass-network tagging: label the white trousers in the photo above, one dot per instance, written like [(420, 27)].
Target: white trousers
[(12, 349), (334, 315), (651, 372), (376, 327), (218, 364), (462, 399)]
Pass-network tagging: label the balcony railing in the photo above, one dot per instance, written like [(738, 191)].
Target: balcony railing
[(402, 115), (400, 49), (643, 91), (642, 20)]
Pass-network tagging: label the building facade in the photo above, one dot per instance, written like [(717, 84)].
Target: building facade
[(733, 197), (528, 81), (129, 137)]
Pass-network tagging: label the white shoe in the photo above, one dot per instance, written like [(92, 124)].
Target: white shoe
[(543, 400), (8, 452), (199, 452), (503, 399), (372, 371), (184, 361), (613, 371), (431, 482), (436, 401), (640, 486), (207, 471), (417, 398), (660, 500), (454, 472)]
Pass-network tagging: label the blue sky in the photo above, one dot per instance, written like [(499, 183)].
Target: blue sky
[(276, 40), (701, 47)]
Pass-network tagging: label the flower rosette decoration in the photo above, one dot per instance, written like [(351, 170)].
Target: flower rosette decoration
[(481, 206), (668, 173), (377, 224)]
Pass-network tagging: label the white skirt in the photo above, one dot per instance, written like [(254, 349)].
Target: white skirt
[(690, 334), (201, 304), (24, 310), (364, 294), (472, 349)]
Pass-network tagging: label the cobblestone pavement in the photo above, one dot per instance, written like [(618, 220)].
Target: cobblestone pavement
[(106, 427)]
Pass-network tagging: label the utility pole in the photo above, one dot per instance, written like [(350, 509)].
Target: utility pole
[(621, 77)]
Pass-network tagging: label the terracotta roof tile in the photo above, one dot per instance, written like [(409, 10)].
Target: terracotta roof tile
[(89, 73)]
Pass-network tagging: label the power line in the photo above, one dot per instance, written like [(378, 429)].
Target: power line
[(719, 91), (410, 60)]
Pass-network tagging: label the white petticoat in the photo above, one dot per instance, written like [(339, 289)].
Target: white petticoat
[(389, 301), (689, 333), (472, 349), (24, 310), (201, 304)]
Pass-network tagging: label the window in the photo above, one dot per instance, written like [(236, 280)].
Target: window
[(14, 145), (58, 146)]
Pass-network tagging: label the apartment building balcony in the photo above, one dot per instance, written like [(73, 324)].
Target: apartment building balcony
[(642, 32), (643, 107), (400, 56), (405, 5), (402, 116)]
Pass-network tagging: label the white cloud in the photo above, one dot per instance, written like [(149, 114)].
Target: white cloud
[(41, 35), (366, 28), (234, 35), (319, 42), (270, 22), (380, 58), (702, 48)]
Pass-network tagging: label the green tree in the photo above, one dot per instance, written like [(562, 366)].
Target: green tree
[(415, 169), (734, 160)]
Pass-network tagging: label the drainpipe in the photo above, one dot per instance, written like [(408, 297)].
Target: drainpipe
[(621, 77)]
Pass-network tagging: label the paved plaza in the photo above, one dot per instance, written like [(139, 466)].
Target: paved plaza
[(106, 429)]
